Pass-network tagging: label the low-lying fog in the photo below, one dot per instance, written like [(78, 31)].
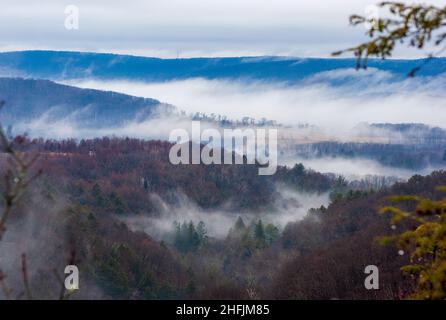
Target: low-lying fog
[(289, 207), (353, 168), (336, 100)]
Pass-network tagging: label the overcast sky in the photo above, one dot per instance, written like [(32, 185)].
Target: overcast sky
[(188, 28)]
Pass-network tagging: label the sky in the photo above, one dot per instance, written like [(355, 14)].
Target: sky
[(188, 28)]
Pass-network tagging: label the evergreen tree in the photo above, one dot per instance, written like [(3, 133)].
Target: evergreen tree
[(202, 233), (96, 192), (239, 224), (271, 233), (298, 170), (186, 238), (116, 204), (259, 233), (193, 239)]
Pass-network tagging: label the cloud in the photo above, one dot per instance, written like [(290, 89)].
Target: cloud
[(191, 28)]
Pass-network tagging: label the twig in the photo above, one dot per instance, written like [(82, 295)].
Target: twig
[(62, 285), (5, 289), (25, 277), (16, 183)]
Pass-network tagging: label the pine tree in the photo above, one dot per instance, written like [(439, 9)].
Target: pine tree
[(239, 224), (96, 192), (193, 239), (259, 233), (271, 233), (202, 233)]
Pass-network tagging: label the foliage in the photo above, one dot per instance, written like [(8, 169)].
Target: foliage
[(417, 24), (425, 241), (348, 195)]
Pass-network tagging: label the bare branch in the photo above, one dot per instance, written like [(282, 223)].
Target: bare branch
[(25, 277)]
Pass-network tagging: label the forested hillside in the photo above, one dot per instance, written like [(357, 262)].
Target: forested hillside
[(30, 100), (91, 192)]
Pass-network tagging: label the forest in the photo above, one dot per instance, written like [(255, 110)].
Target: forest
[(90, 191)]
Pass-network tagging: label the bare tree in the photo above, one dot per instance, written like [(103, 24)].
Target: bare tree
[(18, 176), (17, 179)]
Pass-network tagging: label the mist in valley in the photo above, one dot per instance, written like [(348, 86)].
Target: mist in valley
[(336, 101), (337, 105), (289, 206), (355, 168)]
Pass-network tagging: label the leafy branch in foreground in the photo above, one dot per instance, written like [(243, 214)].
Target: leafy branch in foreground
[(416, 25), (426, 243)]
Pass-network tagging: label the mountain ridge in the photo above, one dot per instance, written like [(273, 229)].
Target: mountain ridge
[(95, 108), (62, 65)]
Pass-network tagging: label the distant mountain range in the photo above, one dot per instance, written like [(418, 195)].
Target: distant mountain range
[(58, 65), (28, 100)]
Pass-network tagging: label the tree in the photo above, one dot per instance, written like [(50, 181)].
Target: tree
[(425, 243), (271, 233), (298, 170), (202, 233), (96, 192), (259, 233), (19, 174), (116, 204), (415, 25), (187, 238), (239, 225), (16, 181), (193, 238)]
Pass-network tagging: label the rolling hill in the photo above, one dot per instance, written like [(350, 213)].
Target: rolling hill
[(28, 100), (60, 65)]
